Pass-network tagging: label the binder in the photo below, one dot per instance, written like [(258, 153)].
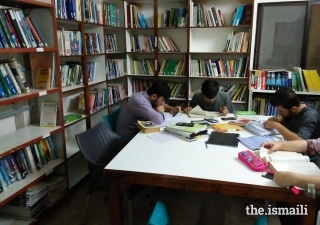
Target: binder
[(225, 139)]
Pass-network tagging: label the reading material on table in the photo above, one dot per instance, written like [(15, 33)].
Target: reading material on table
[(197, 112), (255, 142), (194, 129), (147, 127), (258, 129), (225, 127), (225, 139)]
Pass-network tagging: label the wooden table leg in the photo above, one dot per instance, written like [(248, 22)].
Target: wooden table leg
[(116, 209), (311, 218)]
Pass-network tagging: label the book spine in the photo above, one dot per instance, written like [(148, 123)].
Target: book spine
[(10, 171), (29, 33), (5, 85), (40, 149), (8, 80), (36, 157), (14, 165), (4, 173), (6, 30), (12, 30), (23, 29), (18, 29), (21, 166), (17, 73), (52, 146), (12, 78), (30, 159), (37, 28), (3, 38), (34, 32), (23, 159)]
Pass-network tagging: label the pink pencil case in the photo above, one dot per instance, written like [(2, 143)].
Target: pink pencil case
[(252, 161)]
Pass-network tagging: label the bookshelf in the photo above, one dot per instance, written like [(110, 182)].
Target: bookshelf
[(271, 44), (130, 57), (20, 113)]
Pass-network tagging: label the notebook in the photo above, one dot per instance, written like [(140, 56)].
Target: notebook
[(197, 112), (258, 129), (254, 142), (225, 139), (225, 127)]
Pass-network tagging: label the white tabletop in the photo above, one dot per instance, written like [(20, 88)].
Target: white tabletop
[(187, 159)]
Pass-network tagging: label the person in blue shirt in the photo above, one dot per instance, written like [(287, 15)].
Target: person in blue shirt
[(210, 99)]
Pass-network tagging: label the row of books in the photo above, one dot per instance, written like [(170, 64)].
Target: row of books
[(262, 106), (202, 17), (111, 43), (34, 200), (237, 42), (116, 92), (12, 80), (134, 18), (116, 68), (175, 17), (142, 43), (144, 66), (20, 31), (178, 89), (98, 99), (219, 67), (71, 74), (17, 166), (69, 42), (298, 79), (91, 70), (92, 12), (92, 43), (237, 92), (172, 67), (242, 15), (141, 85), (68, 9), (166, 44), (111, 15), (312, 102)]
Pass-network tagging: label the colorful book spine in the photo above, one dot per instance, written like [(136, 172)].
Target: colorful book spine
[(6, 30), (12, 30), (52, 146), (37, 28), (8, 80), (27, 28), (30, 159)]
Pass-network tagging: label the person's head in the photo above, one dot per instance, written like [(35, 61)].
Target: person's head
[(159, 92), (286, 101), (210, 89)]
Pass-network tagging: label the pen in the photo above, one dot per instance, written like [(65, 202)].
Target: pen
[(206, 144)]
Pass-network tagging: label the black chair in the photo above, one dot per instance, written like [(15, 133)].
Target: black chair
[(99, 145)]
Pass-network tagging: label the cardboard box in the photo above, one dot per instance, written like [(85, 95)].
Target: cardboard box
[(147, 127)]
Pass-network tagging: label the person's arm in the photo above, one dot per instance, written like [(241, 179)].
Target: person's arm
[(145, 110), (229, 105), (313, 147), (168, 108), (285, 132), (292, 146), (286, 179)]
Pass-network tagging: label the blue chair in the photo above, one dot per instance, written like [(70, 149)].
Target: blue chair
[(111, 119), (261, 220), (159, 215)]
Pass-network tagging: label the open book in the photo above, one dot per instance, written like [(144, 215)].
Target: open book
[(197, 112), (290, 161), (258, 129)]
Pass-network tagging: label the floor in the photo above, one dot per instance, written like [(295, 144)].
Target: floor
[(185, 208)]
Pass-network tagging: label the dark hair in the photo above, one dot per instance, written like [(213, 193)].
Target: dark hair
[(285, 97), (210, 88), (160, 88)]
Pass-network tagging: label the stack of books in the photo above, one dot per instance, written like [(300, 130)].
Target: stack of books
[(57, 187), (192, 133)]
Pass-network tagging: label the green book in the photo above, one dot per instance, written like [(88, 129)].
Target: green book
[(71, 117), (195, 129), (245, 113)]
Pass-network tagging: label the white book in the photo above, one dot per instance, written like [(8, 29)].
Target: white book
[(198, 112), (48, 116), (30, 159), (7, 68), (258, 129)]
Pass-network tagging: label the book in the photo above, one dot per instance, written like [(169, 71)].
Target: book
[(42, 60), (242, 122), (198, 112), (71, 117), (239, 112), (180, 134), (195, 129), (258, 129), (43, 78), (255, 142), (186, 134), (226, 127), (225, 139), (48, 116), (147, 127)]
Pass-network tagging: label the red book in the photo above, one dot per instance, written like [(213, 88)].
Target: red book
[(263, 80)]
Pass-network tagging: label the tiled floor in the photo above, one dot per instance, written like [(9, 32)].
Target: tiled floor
[(185, 208)]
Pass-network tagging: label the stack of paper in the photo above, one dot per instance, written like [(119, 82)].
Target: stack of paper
[(197, 112)]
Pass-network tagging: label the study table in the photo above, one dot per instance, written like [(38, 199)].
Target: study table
[(191, 166)]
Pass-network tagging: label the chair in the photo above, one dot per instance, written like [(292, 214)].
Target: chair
[(261, 220), (99, 145), (159, 215), (111, 119)]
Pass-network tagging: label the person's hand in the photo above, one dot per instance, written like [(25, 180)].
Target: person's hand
[(270, 124), (271, 146), (160, 108), (275, 119), (284, 178), (224, 110), (187, 109), (175, 109)]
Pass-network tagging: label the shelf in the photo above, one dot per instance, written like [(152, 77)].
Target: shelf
[(96, 82), (74, 87), (26, 50), (273, 91), (34, 93), (18, 187), (25, 3), (66, 21), (225, 53), (223, 27), (231, 78), (119, 52), (172, 76), (23, 137), (116, 78)]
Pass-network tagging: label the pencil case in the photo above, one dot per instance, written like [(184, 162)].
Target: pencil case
[(252, 161)]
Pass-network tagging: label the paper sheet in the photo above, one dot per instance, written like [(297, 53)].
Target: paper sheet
[(198, 112), (162, 137), (169, 119)]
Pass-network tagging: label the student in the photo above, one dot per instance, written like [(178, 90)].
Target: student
[(296, 121), (210, 99), (287, 178), (146, 105)]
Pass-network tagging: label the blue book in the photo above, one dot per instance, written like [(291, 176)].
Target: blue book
[(4, 173), (142, 21), (238, 15), (8, 80), (53, 148), (27, 29), (2, 93)]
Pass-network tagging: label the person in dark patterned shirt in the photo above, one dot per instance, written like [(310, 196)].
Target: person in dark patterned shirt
[(296, 121)]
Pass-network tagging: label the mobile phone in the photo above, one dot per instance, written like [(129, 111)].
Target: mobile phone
[(268, 175), (229, 118), (185, 124), (211, 120)]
